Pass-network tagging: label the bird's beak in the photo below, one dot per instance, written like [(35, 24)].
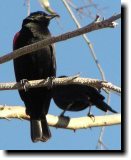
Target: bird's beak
[(51, 16)]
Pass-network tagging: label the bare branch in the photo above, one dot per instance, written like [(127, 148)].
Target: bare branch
[(41, 44), (62, 122), (86, 40), (100, 142), (62, 81), (28, 7), (90, 47)]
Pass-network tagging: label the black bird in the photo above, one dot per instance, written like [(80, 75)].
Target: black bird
[(77, 97), (37, 65)]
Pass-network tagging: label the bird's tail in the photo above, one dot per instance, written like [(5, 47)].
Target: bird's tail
[(46, 134), (39, 130), (105, 107)]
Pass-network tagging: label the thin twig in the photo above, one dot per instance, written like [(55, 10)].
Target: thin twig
[(63, 122), (108, 23), (62, 81), (100, 139), (86, 40), (91, 51), (28, 7)]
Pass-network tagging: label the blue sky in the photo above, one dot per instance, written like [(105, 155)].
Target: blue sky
[(72, 57)]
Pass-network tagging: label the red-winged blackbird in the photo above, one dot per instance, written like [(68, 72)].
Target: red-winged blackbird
[(77, 97), (37, 65)]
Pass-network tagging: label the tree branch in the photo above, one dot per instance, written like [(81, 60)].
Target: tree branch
[(100, 139), (62, 81), (91, 48), (7, 112), (41, 44), (28, 7)]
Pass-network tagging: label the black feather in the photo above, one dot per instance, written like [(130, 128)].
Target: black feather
[(77, 97), (37, 65)]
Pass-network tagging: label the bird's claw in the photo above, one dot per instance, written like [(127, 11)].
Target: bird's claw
[(50, 82), (62, 114), (67, 108), (25, 84), (91, 116)]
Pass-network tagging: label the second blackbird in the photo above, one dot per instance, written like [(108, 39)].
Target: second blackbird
[(77, 97)]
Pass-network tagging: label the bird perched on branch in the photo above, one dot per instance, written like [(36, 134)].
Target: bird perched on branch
[(77, 97), (36, 65)]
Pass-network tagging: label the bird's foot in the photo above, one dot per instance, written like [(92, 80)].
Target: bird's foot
[(25, 84), (91, 116), (50, 82), (62, 114), (67, 108)]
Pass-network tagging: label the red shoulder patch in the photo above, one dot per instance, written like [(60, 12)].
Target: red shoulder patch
[(15, 38)]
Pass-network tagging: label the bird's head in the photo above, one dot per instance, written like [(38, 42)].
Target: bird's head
[(39, 17)]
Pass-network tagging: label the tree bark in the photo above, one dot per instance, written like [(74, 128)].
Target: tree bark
[(108, 23), (8, 112)]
